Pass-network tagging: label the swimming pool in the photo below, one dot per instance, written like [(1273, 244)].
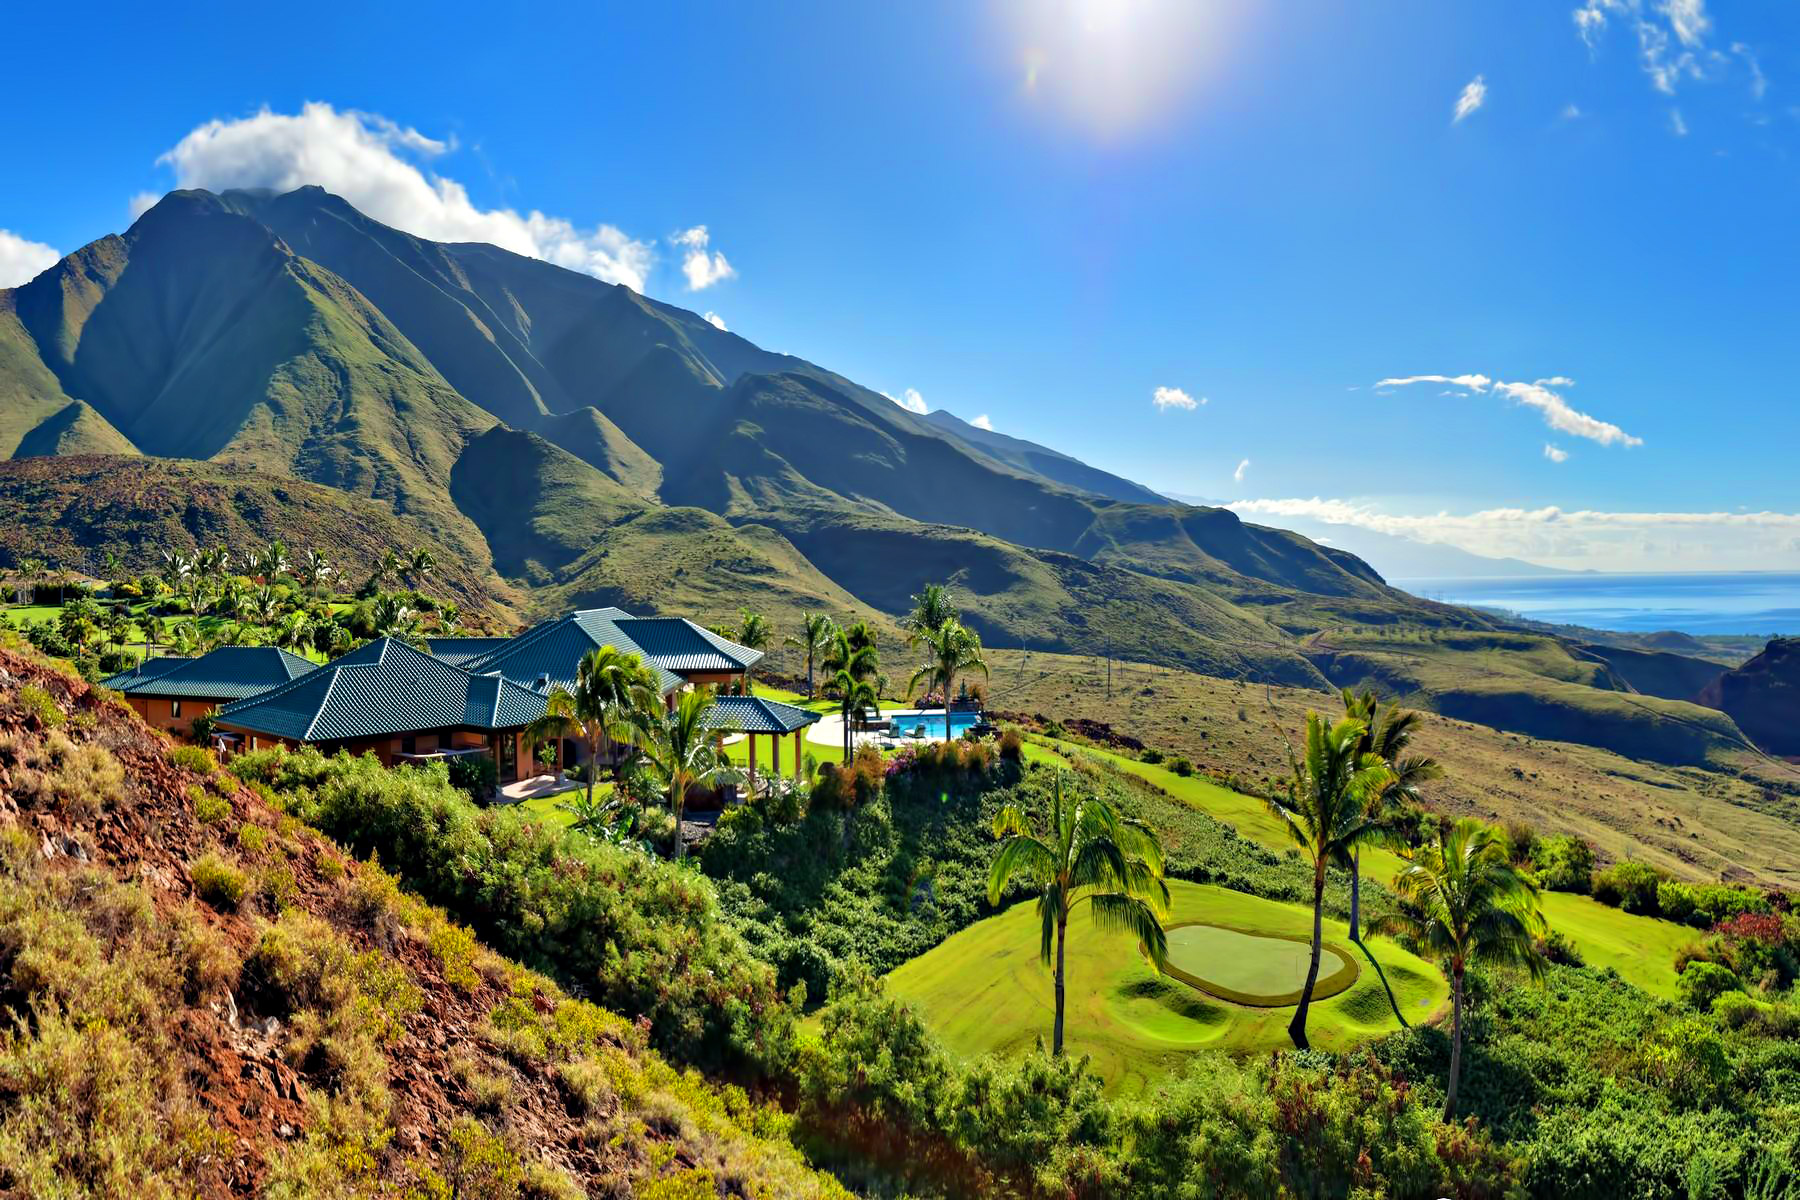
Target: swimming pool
[(905, 720)]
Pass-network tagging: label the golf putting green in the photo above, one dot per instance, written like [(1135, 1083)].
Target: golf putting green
[(1255, 969)]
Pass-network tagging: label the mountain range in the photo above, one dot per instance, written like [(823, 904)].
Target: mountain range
[(249, 365)]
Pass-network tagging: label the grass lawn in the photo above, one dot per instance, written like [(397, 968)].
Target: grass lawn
[(983, 990), (1640, 949), (548, 808)]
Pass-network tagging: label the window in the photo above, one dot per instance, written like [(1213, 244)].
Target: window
[(174, 708), (409, 744)]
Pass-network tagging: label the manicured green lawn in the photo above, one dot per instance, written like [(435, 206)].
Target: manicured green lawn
[(548, 808), (983, 990), (1640, 949)]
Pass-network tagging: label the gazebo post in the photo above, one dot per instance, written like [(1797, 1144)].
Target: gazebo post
[(751, 738), (798, 769), (775, 755)]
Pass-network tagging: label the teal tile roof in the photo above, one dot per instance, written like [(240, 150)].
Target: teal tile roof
[(382, 689), (753, 714), (227, 673), (460, 651), (546, 655), (144, 671)]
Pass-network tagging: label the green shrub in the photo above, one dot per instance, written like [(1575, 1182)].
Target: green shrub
[(1151, 755), (194, 758), (1012, 746), (252, 838), (218, 881), (1736, 1009), (41, 706), (209, 809), (476, 774), (1628, 885), (1182, 767), (1563, 863), (1704, 982), (1704, 905)]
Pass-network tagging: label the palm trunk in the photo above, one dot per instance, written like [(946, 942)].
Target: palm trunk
[(1297, 1027), (1356, 895), (1456, 1009), (593, 769), (810, 694), (947, 680), (678, 796), (1056, 1035)]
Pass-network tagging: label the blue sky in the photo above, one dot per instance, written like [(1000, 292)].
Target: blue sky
[(1042, 213)]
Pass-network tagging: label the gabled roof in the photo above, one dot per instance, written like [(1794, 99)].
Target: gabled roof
[(146, 670), (460, 651), (753, 714), (227, 673), (383, 688), (546, 655)]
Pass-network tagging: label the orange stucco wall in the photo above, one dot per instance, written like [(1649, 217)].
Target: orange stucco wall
[(160, 714)]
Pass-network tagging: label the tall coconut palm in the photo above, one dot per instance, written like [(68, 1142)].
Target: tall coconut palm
[(1387, 734), (815, 634), (845, 642), (952, 649), (418, 565), (1327, 815), (752, 634), (684, 751), (388, 566), (272, 562), (295, 633), (855, 696), (932, 606), (1462, 901), (611, 687), (185, 637), (30, 571), (312, 570), (1088, 854)]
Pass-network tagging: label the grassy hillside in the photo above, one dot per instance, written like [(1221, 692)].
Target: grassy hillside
[(72, 511), (206, 998), (1738, 818)]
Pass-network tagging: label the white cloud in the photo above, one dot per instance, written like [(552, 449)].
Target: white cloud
[(1474, 95), (1555, 453), (141, 203), (1600, 540), (1571, 112), (368, 160), (702, 269), (1677, 126), (22, 261), (1671, 35), (1759, 83), (980, 422), (716, 321), (1166, 398), (1539, 395), (911, 401), (1237, 476)]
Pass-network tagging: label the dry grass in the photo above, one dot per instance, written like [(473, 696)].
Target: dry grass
[(1741, 822)]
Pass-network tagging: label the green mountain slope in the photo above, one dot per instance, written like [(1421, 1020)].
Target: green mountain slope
[(1043, 461)]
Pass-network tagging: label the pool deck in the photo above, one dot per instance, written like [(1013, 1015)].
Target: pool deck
[(829, 731)]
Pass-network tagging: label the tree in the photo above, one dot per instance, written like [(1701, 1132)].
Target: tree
[(843, 645), (1089, 853), (1387, 733), (752, 634), (449, 616), (391, 616), (1327, 815), (118, 626), (932, 606), (815, 634), (151, 626), (418, 565), (185, 637), (388, 566), (952, 649), (1462, 900), (854, 696), (314, 569), (295, 633), (272, 562), (611, 687), (684, 752)]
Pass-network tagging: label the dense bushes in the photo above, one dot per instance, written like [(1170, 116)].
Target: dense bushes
[(1639, 888), (640, 935), (1563, 863), (1628, 885), (878, 1084)]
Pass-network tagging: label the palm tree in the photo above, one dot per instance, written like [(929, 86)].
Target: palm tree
[(151, 626), (185, 637), (684, 752), (418, 565), (845, 642), (1327, 815), (313, 571), (932, 606), (854, 696), (261, 606), (273, 561), (610, 686), (954, 649), (1089, 853), (391, 616), (1462, 900), (448, 617), (388, 567), (815, 632), (752, 634), (295, 633), (1387, 733)]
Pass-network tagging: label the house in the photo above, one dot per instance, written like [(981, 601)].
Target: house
[(678, 652), (681, 653), (170, 692), (399, 704)]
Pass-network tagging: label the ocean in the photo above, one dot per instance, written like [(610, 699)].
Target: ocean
[(1749, 602)]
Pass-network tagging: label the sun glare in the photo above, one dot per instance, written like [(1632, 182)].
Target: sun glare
[(1114, 67)]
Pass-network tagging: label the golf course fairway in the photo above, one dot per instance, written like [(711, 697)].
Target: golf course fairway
[(983, 990)]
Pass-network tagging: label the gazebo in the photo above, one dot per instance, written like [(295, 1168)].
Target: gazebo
[(755, 717)]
